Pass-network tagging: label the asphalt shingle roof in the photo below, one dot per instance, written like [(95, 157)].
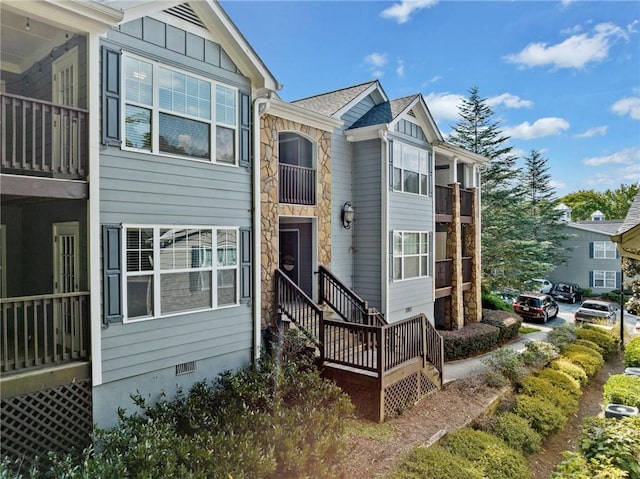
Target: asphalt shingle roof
[(330, 102), (633, 216), (384, 113), (606, 227)]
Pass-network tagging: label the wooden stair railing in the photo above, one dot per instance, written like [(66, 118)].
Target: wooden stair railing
[(347, 304), (300, 308)]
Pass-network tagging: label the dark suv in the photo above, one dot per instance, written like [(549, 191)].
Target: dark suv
[(570, 292), (536, 306)]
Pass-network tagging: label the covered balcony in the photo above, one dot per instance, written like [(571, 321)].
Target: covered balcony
[(297, 177)]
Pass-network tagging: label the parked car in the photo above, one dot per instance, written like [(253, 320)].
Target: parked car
[(570, 292), (537, 306), (538, 285), (592, 311)]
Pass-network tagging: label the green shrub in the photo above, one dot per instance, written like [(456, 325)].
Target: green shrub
[(622, 389), (544, 389), (562, 336), (589, 344), (562, 380), (435, 462), (618, 439), (587, 292), (508, 322), (494, 302), (606, 339), (632, 353), (588, 359), (544, 417), (571, 369), (538, 354), (506, 362), (489, 453), (516, 432), (472, 339), (576, 466)]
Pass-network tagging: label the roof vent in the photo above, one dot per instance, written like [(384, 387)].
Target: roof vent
[(411, 113), (185, 368), (186, 13)]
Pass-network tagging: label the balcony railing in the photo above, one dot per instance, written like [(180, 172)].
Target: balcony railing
[(444, 273), (297, 185), (43, 330), (444, 200), (466, 202), (39, 138), (467, 262)]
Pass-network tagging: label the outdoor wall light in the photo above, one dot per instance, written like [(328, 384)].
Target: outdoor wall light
[(347, 215)]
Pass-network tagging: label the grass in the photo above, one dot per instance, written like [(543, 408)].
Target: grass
[(527, 330), (370, 430)]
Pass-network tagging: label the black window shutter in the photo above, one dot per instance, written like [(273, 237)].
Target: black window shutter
[(245, 265), (619, 280), (245, 130), (111, 273), (110, 97), (591, 249), (390, 147), (591, 284)]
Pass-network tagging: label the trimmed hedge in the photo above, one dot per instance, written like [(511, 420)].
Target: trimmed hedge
[(605, 339), (571, 369), (508, 322), (544, 417), (589, 344), (472, 339), (490, 454), (435, 462), (632, 353), (562, 380), (562, 336), (588, 359), (542, 388), (516, 432), (622, 389)]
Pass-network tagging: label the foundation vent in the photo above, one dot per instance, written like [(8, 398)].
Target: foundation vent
[(185, 368)]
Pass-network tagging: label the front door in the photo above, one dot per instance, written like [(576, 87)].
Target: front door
[(64, 82), (290, 254), (66, 280)]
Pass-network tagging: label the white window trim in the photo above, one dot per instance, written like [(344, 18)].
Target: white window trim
[(428, 255), (604, 279), (157, 271), (605, 248), (155, 114), (429, 172)]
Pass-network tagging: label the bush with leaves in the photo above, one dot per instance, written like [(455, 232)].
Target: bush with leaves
[(507, 362), (632, 353), (576, 466), (588, 359), (589, 344), (540, 387), (472, 339), (516, 432), (435, 462), (508, 322), (489, 453), (538, 354), (544, 417), (607, 341), (622, 389), (562, 336), (562, 380), (571, 369)]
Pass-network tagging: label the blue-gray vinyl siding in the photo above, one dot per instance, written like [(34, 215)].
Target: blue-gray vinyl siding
[(579, 265), (358, 111), (367, 239), (145, 189)]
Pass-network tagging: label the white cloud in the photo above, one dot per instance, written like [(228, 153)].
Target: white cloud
[(591, 132), (557, 185), (628, 156), (401, 12), (376, 60), (509, 100), (444, 106), (628, 106), (540, 128), (577, 51), (613, 177), (400, 69)]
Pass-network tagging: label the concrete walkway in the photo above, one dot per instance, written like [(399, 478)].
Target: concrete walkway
[(471, 367)]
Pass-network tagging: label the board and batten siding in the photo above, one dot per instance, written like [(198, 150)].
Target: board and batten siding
[(367, 192)]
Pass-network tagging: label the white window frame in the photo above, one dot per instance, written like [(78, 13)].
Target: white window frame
[(420, 255), (212, 121), (398, 164), (607, 279), (157, 271), (604, 250)]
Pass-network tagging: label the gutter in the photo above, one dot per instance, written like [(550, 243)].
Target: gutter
[(382, 133)]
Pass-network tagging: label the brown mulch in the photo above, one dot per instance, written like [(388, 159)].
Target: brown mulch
[(457, 405)]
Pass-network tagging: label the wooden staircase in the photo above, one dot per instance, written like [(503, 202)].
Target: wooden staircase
[(384, 367)]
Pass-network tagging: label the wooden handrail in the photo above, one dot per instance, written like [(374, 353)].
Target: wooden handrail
[(299, 307)]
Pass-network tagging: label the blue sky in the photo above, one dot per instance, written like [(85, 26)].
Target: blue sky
[(562, 77)]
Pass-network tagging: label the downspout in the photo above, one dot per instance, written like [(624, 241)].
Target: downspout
[(260, 105), (382, 133)]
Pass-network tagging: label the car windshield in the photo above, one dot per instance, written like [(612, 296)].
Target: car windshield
[(597, 307)]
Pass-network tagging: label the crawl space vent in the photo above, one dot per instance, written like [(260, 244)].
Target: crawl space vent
[(185, 368)]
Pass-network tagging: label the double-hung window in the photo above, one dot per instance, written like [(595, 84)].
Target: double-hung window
[(411, 169), (171, 112), (411, 255), (604, 279), (171, 270), (604, 250)]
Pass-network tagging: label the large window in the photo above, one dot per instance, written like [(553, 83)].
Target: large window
[(170, 112), (411, 255), (604, 250), (172, 270), (411, 169), (604, 279)]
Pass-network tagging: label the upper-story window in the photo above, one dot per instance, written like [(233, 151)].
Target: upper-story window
[(170, 112), (297, 176), (604, 250), (411, 169)]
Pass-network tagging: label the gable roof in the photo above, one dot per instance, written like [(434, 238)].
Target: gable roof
[(384, 112), (332, 102), (603, 227), (628, 235)]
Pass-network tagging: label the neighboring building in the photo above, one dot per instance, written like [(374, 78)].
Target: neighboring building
[(627, 236), (593, 260), (126, 142)]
